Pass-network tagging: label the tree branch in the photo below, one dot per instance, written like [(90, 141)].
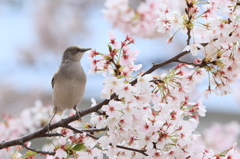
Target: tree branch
[(158, 65), (132, 149), (94, 130), (37, 151), (189, 22), (190, 63), (51, 135), (80, 131)]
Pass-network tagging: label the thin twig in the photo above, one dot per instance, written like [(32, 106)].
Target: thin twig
[(80, 131), (132, 149), (156, 81), (190, 63), (100, 113), (189, 21), (189, 36), (51, 135), (94, 130), (37, 151), (237, 4)]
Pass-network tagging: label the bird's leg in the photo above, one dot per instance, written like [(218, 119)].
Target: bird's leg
[(48, 124), (78, 113)]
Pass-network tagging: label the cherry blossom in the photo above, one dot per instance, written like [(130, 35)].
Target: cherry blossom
[(60, 153), (193, 48), (139, 21)]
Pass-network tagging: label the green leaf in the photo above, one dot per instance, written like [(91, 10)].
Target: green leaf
[(109, 48), (30, 153), (78, 147)]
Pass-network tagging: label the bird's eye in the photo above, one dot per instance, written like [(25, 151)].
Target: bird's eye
[(76, 50)]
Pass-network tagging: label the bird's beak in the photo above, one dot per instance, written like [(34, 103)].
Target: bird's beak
[(86, 49)]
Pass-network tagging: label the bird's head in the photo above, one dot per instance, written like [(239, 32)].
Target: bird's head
[(74, 53)]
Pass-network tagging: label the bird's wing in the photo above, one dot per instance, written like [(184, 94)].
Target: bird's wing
[(52, 82), (53, 79)]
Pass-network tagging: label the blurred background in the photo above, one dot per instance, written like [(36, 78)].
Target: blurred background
[(34, 34)]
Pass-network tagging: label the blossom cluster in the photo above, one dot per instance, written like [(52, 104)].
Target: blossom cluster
[(214, 22), (220, 32), (74, 146), (29, 120), (154, 115), (139, 21)]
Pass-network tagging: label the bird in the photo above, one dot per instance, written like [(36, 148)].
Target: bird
[(69, 81)]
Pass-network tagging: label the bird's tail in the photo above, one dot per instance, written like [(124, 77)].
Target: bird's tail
[(57, 111)]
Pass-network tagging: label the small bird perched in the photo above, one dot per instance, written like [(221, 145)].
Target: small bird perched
[(69, 81)]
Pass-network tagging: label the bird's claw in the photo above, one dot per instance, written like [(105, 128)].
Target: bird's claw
[(78, 113), (48, 127)]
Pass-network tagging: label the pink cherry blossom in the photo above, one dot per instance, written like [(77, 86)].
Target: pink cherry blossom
[(97, 120), (193, 48), (112, 109), (126, 92), (60, 153), (125, 18)]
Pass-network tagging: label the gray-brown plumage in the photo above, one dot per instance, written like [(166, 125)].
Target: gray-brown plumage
[(69, 81)]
